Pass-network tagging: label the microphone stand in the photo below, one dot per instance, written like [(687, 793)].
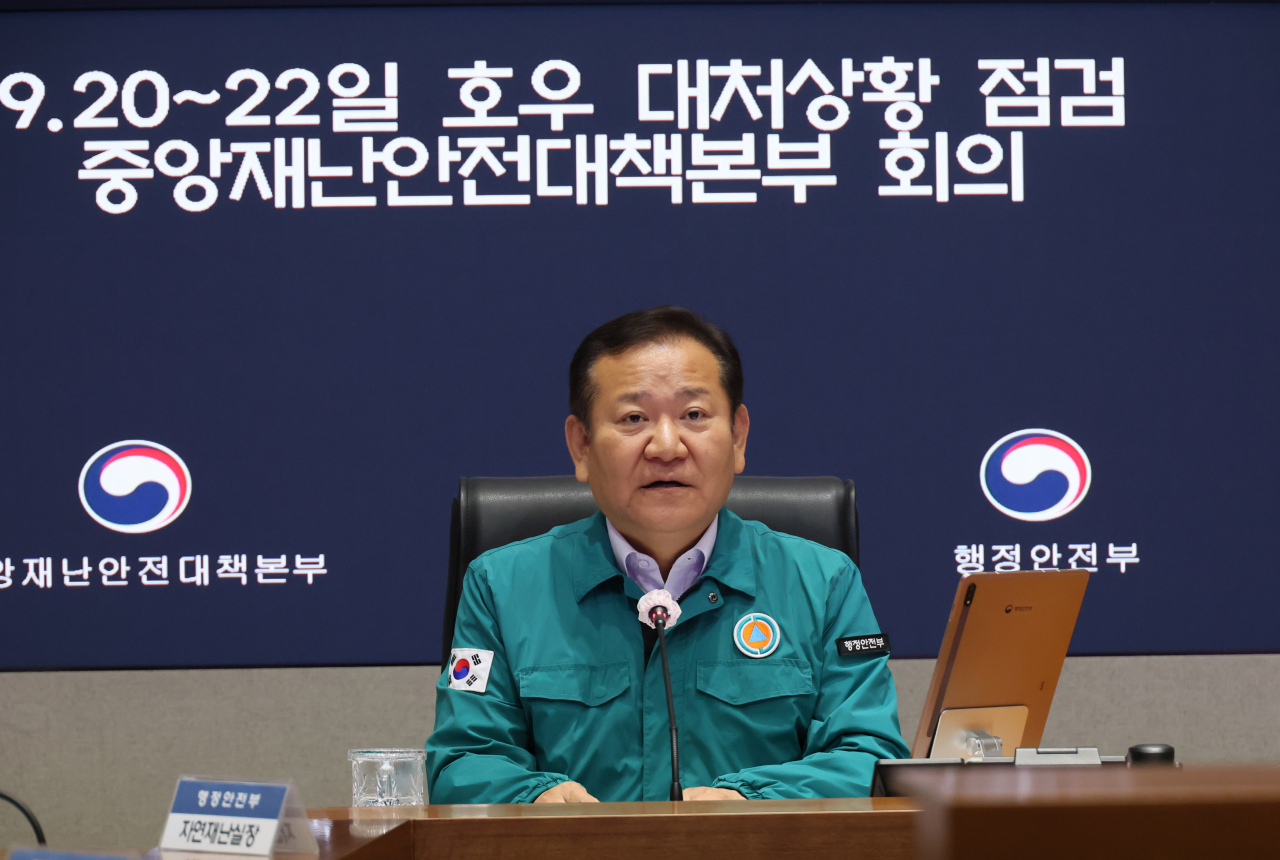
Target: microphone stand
[(31, 816), (659, 617)]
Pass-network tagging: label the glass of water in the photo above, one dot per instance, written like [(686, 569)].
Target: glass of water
[(387, 777)]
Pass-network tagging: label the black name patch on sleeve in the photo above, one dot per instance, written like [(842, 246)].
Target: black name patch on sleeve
[(857, 646)]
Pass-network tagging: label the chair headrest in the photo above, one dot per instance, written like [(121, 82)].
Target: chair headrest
[(497, 511)]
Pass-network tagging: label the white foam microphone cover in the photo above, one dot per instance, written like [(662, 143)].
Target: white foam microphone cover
[(659, 597)]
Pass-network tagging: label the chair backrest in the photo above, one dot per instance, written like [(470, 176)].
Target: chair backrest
[(493, 512)]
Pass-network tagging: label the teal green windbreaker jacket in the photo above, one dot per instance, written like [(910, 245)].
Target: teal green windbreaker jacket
[(571, 695)]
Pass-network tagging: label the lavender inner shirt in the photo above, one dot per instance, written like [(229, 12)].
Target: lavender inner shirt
[(643, 570)]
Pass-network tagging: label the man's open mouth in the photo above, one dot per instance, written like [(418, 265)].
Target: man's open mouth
[(660, 484)]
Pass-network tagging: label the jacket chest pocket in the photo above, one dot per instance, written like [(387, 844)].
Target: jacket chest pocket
[(770, 700), (568, 717), (578, 683)]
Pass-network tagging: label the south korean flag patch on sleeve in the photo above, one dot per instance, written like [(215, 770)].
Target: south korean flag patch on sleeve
[(469, 669)]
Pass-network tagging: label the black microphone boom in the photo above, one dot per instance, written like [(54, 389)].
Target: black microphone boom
[(658, 615)]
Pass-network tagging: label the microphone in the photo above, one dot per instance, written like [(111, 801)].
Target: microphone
[(659, 610)]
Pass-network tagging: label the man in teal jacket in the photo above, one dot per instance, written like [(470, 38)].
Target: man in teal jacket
[(554, 692)]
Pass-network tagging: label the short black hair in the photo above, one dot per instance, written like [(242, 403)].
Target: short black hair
[(639, 328)]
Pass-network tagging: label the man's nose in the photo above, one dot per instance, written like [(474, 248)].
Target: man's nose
[(665, 444)]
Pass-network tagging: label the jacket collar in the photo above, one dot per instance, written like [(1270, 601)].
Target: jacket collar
[(731, 565), (733, 561), (593, 557)]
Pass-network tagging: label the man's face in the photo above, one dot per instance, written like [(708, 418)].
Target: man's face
[(662, 449)]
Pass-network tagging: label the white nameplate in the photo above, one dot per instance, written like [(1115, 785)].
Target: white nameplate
[(236, 818)]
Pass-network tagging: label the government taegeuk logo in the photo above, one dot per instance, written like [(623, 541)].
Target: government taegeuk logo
[(135, 486), (1035, 475)]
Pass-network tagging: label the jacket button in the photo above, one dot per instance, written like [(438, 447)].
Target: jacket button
[(713, 597)]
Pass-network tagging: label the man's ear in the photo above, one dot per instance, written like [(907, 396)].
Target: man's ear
[(575, 436), (741, 424)]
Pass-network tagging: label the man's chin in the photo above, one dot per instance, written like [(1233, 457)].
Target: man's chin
[(670, 509)]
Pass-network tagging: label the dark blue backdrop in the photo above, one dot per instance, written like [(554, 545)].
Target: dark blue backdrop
[(328, 374)]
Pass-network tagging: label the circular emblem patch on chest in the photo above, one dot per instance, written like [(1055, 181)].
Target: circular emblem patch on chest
[(756, 635)]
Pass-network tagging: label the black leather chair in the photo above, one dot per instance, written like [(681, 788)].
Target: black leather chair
[(492, 512)]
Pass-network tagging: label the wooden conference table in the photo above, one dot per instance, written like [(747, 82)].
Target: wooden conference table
[(881, 828), (986, 812)]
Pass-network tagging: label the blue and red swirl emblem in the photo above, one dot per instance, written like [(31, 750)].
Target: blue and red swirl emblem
[(1035, 475), (135, 486)]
